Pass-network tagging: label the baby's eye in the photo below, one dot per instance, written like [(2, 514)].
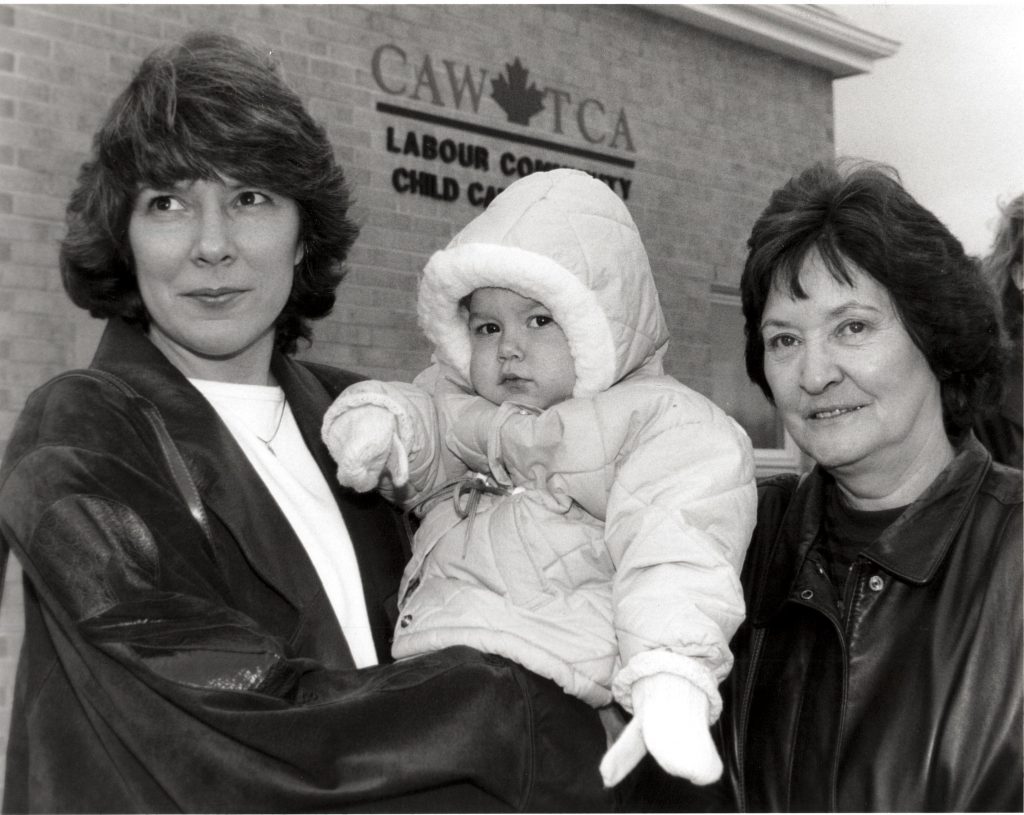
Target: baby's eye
[(540, 321), (251, 198), (484, 329)]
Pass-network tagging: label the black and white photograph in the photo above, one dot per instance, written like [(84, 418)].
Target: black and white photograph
[(481, 407)]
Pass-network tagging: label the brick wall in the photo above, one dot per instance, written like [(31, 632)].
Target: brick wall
[(716, 125)]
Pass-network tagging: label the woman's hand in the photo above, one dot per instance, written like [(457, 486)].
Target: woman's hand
[(365, 443), (671, 722)]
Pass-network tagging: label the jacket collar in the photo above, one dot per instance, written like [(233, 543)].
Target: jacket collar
[(243, 505), (912, 548)]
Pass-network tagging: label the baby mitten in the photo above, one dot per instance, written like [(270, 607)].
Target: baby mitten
[(364, 442), (671, 722)]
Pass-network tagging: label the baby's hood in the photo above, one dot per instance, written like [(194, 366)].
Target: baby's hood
[(566, 240)]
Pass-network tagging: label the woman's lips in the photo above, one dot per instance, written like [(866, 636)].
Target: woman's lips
[(832, 413), (214, 296)]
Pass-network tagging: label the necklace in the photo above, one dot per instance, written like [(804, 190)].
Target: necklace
[(277, 427)]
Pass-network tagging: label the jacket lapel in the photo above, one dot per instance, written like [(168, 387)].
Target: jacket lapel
[(779, 565), (935, 517), (229, 486), (371, 523)]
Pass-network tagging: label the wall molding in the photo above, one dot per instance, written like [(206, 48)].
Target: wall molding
[(807, 33)]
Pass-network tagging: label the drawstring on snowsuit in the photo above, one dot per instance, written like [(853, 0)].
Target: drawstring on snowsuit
[(476, 484)]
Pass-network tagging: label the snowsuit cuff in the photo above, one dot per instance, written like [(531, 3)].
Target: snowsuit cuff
[(650, 663), (358, 396)]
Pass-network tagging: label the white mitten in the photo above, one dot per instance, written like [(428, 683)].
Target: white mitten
[(671, 722), (364, 441)]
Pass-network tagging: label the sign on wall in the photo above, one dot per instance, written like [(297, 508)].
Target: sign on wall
[(466, 168)]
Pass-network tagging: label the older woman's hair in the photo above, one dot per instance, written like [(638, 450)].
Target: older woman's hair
[(209, 106), (859, 214)]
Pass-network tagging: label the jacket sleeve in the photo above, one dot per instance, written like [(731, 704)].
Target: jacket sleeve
[(195, 705), (678, 500), (421, 415)]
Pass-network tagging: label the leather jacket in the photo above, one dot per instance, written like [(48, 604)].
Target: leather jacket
[(912, 699), (166, 671)]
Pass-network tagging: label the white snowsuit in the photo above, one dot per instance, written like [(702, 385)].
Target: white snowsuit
[(613, 550)]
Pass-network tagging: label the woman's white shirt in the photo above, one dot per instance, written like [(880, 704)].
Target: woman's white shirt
[(262, 423)]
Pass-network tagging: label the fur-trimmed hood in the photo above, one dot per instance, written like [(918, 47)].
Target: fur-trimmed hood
[(566, 240)]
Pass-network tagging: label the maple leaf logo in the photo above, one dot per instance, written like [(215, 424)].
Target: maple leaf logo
[(514, 97)]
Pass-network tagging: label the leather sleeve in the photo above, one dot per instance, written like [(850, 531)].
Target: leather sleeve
[(193, 704)]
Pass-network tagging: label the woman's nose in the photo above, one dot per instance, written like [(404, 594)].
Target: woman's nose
[(818, 368), (214, 242)]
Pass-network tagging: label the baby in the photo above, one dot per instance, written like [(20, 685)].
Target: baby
[(582, 513)]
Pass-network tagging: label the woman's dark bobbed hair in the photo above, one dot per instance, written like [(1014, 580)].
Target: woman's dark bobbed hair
[(211, 105), (859, 214)]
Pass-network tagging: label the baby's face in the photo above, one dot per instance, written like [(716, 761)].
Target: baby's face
[(519, 353)]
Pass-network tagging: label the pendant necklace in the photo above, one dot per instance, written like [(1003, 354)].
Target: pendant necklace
[(280, 420)]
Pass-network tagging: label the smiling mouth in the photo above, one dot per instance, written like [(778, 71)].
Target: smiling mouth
[(833, 412), (213, 295)]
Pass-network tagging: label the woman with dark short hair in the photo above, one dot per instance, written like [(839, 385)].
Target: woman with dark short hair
[(208, 613), (879, 668)]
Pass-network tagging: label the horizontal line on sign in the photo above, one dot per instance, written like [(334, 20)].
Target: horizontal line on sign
[(483, 130)]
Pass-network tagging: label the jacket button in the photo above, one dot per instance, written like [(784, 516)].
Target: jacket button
[(404, 622), (807, 594), (876, 583)]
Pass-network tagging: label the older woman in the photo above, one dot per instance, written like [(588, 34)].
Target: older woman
[(880, 665), (200, 593)]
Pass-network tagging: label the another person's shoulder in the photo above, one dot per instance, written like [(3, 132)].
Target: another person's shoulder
[(999, 506), (1004, 484)]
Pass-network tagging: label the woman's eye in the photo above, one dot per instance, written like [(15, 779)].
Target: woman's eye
[(164, 203), (780, 341), (251, 198), (853, 327)]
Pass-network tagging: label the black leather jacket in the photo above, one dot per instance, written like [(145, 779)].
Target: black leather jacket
[(911, 701), (162, 671)]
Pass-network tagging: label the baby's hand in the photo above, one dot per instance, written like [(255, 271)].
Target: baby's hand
[(364, 441), (670, 722)]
